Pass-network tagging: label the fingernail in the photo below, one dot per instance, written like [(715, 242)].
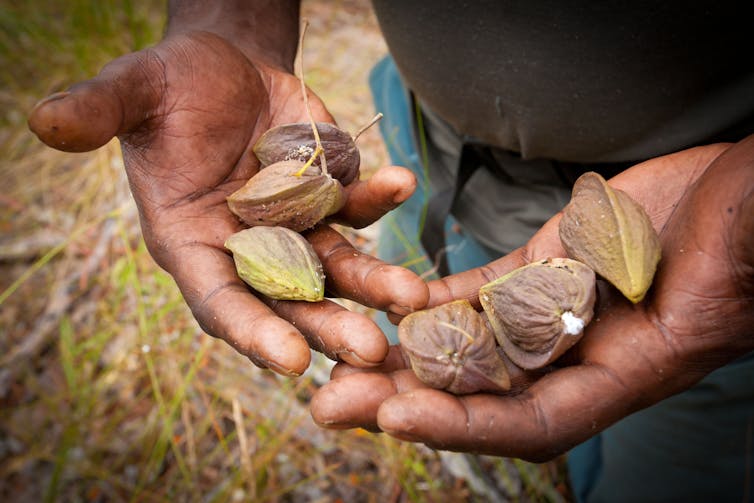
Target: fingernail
[(281, 370), (400, 310), (402, 195), (54, 97), (353, 359), (335, 425), (402, 435)]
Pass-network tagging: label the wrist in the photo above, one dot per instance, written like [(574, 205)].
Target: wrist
[(265, 31)]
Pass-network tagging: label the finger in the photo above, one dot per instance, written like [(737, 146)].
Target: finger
[(353, 400), (560, 410), (343, 403), (394, 361), (369, 200), (225, 308), (336, 332), (397, 360), (365, 279), (125, 93)]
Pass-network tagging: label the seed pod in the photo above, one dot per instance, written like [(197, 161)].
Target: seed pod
[(611, 233), (296, 142), (279, 196), (278, 263), (450, 347), (540, 310)]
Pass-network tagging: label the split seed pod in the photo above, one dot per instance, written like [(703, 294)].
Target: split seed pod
[(450, 347), (611, 233), (278, 263), (281, 195), (296, 142), (539, 311)]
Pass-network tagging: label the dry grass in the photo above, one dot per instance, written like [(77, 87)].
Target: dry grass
[(109, 391)]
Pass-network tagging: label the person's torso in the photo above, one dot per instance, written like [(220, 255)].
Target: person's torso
[(605, 81)]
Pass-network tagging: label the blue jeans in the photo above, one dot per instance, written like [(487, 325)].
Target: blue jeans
[(695, 446)]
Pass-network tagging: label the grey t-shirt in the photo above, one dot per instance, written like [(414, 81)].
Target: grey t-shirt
[(574, 82), (600, 81)]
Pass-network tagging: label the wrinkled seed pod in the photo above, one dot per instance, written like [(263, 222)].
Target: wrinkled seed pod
[(277, 196), (611, 233), (539, 311), (278, 263), (296, 142), (450, 347)]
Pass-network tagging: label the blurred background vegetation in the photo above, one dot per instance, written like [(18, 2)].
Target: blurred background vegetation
[(109, 391)]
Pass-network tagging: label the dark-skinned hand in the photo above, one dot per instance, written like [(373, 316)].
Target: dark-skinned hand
[(187, 113), (698, 316)]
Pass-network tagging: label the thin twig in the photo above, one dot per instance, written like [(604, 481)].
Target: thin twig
[(371, 123), (323, 162), (243, 444), (30, 246), (308, 163)]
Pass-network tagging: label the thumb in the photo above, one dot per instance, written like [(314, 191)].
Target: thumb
[(124, 94), (465, 285)]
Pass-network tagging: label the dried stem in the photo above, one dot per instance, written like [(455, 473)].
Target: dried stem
[(319, 149), (371, 123)]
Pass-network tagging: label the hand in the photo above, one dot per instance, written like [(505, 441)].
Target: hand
[(697, 317), (187, 112)]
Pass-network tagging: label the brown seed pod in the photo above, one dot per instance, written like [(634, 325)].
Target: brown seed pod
[(450, 347), (282, 195), (539, 311), (278, 263), (296, 142), (611, 233)]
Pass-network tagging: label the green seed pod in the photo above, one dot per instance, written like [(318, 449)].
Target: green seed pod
[(278, 263)]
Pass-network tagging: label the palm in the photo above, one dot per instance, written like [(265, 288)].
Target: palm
[(188, 112), (194, 151)]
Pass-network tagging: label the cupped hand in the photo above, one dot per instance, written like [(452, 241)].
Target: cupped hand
[(187, 113), (697, 316)]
